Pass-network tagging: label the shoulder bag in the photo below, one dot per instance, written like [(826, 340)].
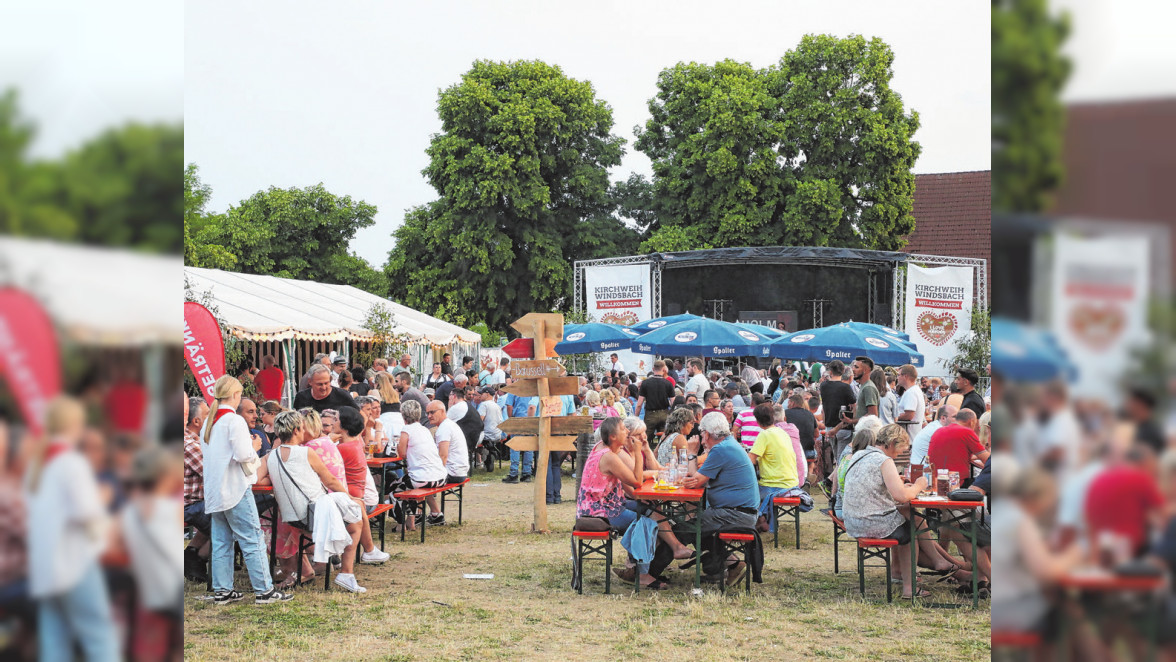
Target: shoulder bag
[(308, 521)]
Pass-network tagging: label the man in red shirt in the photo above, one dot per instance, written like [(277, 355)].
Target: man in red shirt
[(954, 446), (270, 380), (1124, 500)]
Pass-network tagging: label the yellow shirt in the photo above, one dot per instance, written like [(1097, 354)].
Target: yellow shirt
[(777, 459)]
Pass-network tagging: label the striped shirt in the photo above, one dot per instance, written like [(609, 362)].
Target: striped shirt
[(749, 429)]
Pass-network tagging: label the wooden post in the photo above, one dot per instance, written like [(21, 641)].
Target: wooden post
[(536, 435)]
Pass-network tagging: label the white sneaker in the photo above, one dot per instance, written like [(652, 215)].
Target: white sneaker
[(348, 582), (374, 556)]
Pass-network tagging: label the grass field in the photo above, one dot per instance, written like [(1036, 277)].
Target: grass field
[(418, 606)]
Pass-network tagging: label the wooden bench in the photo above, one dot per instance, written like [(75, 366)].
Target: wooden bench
[(591, 543), (875, 548), (839, 536), (738, 543), (416, 499), (1012, 641), (379, 515), (786, 507)]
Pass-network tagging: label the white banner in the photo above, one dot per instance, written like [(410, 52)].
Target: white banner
[(621, 295), (938, 312), (1099, 307)]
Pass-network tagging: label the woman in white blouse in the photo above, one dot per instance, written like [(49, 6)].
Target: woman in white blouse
[(67, 528), (230, 471)]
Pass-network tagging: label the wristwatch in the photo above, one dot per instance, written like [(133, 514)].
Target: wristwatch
[(691, 457)]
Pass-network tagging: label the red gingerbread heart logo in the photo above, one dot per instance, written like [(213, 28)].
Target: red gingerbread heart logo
[(1097, 325), (937, 328)]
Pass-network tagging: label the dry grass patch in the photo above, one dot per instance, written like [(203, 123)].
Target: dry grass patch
[(418, 606)]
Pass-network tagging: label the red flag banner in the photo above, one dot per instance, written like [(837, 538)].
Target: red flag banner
[(203, 347), (30, 359)]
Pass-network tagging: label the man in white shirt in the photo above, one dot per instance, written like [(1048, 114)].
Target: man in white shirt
[(912, 408), (922, 442), (451, 446), (1061, 436), (616, 367), (697, 383), (499, 375)]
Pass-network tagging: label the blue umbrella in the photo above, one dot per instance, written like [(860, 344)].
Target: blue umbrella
[(766, 331), (844, 342), (659, 322), (878, 328), (702, 337), (1023, 353), (594, 337)]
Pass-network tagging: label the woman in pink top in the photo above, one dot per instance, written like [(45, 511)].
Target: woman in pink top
[(794, 435)]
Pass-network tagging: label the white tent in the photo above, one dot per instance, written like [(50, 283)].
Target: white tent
[(318, 317), (268, 308), (99, 296)]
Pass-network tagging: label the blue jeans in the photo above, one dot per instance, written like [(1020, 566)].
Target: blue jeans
[(80, 615), (528, 456), (239, 524), (554, 480)]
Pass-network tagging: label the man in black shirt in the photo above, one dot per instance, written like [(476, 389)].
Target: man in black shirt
[(836, 394), (655, 393), (320, 394), (966, 382), (1141, 410), (446, 364), (799, 415)]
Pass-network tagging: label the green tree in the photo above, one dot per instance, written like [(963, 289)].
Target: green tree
[(1028, 118), (816, 150), (122, 187), (521, 170), (198, 252), (294, 233), (29, 192), (974, 350)]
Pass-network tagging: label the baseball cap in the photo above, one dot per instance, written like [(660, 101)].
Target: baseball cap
[(487, 390), (340, 360), (430, 391)]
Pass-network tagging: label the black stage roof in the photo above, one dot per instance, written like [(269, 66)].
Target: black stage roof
[(812, 255)]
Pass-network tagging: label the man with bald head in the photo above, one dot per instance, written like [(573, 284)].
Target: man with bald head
[(955, 447), (922, 441), (248, 411)]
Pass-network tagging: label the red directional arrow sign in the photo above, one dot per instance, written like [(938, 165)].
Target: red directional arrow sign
[(524, 348), (520, 348)]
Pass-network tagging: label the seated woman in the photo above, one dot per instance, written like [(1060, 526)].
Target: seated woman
[(1024, 561), (606, 473), (351, 424), (287, 547), (679, 425), (417, 447), (862, 439), (390, 416), (876, 498), (299, 476), (794, 436)]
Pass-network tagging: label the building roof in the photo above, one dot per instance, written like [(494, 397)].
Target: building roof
[(1118, 161), (953, 212), (257, 307)]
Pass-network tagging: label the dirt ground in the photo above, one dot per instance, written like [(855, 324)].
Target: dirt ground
[(419, 607)]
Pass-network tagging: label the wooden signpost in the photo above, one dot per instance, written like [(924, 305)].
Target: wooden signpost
[(541, 378)]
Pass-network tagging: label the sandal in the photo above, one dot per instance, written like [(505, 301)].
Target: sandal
[(939, 573), (287, 583), (923, 593), (657, 585)]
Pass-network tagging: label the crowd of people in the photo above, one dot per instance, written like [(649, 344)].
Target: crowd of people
[(848, 430), (88, 519), (1088, 489)]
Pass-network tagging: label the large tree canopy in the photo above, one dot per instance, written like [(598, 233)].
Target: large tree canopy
[(1028, 73), (520, 167), (290, 233), (815, 151), (117, 189)]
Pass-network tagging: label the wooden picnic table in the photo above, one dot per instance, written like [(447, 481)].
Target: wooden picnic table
[(951, 522), (1100, 581), (383, 464), (675, 505)]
